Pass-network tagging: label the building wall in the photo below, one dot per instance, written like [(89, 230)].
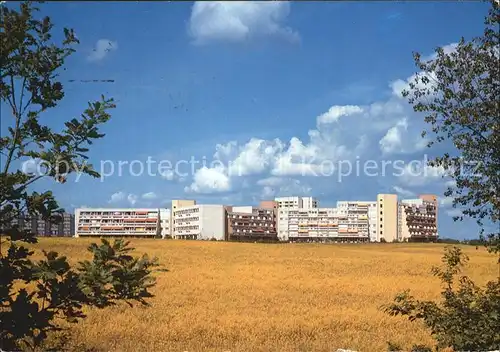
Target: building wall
[(387, 215), (358, 220), (40, 227), (258, 224), (348, 222), (282, 223), (283, 203), (372, 221), (131, 222), (268, 204), (418, 219), (432, 198), (309, 203), (288, 202), (165, 223), (297, 202), (181, 203), (243, 209), (201, 222)]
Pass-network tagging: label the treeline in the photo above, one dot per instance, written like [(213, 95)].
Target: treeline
[(473, 242)]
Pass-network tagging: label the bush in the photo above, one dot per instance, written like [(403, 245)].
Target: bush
[(467, 318), (34, 294)]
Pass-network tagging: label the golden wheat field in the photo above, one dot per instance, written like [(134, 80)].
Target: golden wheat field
[(257, 297)]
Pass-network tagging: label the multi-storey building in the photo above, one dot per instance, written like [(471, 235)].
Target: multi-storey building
[(324, 224), (128, 222), (40, 227), (251, 224), (199, 222), (180, 203), (296, 202), (269, 204), (408, 219), (387, 217), (417, 220), (281, 204), (358, 212), (25, 223)]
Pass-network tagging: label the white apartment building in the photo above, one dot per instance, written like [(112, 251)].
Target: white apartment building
[(131, 222), (323, 224), (296, 202), (357, 208), (200, 222)]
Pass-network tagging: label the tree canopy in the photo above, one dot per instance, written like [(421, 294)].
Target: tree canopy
[(34, 293), (459, 93)]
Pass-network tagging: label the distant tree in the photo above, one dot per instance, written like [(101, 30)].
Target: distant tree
[(34, 293), (158, 225), (448, 240), (459, 91), (474, 242)]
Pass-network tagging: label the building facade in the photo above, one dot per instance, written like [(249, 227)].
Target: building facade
[(407, 219), (417, 220), (181, 203), (387, 217), (296, 219), (323, 225), (40, 227), (296, 202), (129, 222), (199, 222), (251, 224)]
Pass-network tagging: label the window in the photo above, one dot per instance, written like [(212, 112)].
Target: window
[(380, 213), (380, 225), (381, 205), (380, 232)]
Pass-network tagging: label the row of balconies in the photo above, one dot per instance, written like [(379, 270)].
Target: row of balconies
[(254, 224), (327, 235)]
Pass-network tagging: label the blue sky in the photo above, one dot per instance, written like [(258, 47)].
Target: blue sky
[(272, 90)]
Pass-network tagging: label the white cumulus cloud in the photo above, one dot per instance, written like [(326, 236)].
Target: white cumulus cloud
[(122, 198), (399, 139), (132, 199), (418, 174), (237, 21), (117, 197), (210, 180), (150, 196), (275, 186), (336, 111), (341, 133), (403, 192)]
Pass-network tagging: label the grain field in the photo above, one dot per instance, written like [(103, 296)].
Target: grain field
[(257, 297)]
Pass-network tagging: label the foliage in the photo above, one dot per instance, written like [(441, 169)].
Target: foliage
[(458, 90), (158, 225), (468, 316), (33, 294), (393, 347), (420, 348), (448, 240), (28, 315)]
